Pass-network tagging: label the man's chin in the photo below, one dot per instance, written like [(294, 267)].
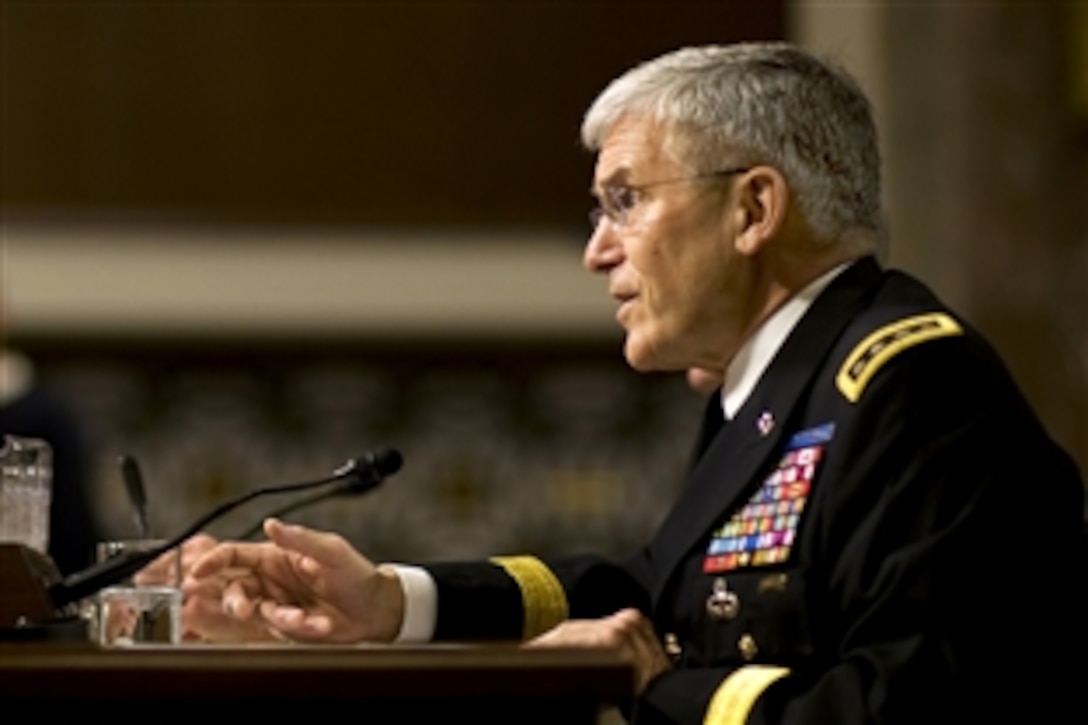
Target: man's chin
[(641, 358)]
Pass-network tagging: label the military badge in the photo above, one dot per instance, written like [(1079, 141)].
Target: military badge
[(762, 532), (722, 604)]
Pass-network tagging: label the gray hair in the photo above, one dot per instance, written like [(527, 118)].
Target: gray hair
[(760, 103)]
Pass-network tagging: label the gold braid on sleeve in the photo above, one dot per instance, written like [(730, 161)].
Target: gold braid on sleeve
[(737, 695), (543, 599)]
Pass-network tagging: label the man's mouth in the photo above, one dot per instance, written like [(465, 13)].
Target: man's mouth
[(625, 301)]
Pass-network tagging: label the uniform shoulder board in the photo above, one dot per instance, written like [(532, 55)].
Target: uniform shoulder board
[(869, 355)]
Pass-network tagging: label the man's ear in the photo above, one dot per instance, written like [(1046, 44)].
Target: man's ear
[(762, 202)]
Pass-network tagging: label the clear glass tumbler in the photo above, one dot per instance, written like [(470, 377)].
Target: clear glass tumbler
[(131, 613)]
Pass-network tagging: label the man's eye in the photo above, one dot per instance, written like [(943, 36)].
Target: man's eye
[(624, 197)]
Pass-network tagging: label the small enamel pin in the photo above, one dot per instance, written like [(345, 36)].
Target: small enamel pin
[(765, 423)]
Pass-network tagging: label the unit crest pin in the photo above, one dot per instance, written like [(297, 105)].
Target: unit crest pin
[(722, 604)]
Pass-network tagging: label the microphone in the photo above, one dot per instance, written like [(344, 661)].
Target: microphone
[(290, 508), (137, 495), (358, 475), (348, 487)]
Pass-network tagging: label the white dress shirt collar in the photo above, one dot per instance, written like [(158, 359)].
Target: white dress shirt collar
[(750, 362)]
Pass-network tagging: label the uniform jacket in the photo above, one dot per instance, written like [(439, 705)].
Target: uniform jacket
[(884, 533)]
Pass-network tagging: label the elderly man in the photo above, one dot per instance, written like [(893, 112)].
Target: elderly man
[(876, 527)]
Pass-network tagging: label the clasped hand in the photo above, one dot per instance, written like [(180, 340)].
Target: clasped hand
[(302, 585), (310, 586)]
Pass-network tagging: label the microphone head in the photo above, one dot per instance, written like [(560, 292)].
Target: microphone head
[(384, 462), (368, 470), (137, 495), (133, 480)]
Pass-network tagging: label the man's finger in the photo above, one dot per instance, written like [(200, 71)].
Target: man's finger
[(195, 547), (228, 556), (324, 548), (295, 623), (577, 633), (159, 571), (240, 598)]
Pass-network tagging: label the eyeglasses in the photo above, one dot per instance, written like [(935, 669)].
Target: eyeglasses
[(618, 200)]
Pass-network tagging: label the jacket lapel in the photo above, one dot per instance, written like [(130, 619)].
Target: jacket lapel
[(729, 469)]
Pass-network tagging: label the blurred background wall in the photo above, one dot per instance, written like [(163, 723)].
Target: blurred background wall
[(245, 241)]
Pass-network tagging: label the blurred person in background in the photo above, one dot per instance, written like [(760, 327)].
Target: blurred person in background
[(28, 408)]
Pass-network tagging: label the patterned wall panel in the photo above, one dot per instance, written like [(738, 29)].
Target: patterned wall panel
[(504, 452)]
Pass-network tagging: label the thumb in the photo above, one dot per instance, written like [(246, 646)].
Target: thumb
[(323, 548)]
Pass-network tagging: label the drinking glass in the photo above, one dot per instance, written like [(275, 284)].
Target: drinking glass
[(26, 476), (131, 613)]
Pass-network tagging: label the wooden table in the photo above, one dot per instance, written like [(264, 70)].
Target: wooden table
[(324, 685)]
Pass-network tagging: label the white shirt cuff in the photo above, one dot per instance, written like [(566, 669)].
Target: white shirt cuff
[(420, 604)]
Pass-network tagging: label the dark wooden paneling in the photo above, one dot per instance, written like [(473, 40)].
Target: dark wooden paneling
[(402, 113)]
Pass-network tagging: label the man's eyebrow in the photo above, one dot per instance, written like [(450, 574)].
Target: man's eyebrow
[(615, 177)]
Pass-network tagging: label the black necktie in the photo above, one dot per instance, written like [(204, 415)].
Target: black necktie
[(713, 422)]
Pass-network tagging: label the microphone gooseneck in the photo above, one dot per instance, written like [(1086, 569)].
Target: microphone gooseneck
[(359, 475), (372, 468)]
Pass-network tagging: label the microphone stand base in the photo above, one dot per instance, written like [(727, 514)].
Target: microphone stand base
[(68, 630), (25, 577)]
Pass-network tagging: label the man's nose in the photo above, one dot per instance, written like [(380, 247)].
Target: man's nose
[(603, 249)]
